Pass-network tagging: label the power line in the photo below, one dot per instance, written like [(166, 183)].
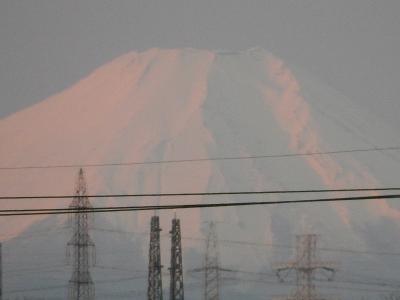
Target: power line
[(336, 287), (343, 250), (189, 194), (132, 163), (58, 211), (384, 288), (257, 244), (347, 281), (36, 289), (221, 241)]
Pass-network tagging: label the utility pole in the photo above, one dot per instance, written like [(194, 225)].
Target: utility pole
[(305, 267), (154, 287), (81, 286), (176, 269), (211, 265)]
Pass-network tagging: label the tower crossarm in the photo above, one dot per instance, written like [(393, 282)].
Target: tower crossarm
[(305, 266), (283, 266)]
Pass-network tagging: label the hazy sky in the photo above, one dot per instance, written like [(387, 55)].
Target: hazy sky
[(354, 46)]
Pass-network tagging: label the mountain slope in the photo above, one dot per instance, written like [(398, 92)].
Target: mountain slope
[(184, 104)]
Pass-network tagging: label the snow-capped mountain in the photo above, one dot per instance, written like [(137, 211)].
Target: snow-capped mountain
[(183, 104)]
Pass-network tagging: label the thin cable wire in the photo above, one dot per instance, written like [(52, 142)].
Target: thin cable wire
[(229, 243), (205, 193), (55, 211), (286, 155)]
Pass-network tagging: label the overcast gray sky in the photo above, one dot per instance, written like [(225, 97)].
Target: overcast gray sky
[(354, 46)]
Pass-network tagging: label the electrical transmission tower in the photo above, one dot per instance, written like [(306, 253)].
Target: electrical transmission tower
[(211, 266), (154, 288), (176, 270), (306, 265), (81, 286), (1, 271)]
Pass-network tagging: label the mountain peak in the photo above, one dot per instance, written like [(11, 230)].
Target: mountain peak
[(183, 104)]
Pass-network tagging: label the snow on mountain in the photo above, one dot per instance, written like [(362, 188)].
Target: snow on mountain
[(187, 104)]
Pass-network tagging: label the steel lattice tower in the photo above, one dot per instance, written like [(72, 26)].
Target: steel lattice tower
[(176, 270), (81, 286), (305, 266), (1, 271), (211, 265), (154, 288)]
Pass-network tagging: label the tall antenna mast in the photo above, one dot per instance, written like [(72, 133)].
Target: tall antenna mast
[(154, 288), (81, 286), (176, 270)]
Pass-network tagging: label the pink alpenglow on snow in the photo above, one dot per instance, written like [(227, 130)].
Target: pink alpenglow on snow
[(293, 114), (170, 105)]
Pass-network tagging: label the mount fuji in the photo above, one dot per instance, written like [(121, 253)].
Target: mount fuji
[(189, 104)]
